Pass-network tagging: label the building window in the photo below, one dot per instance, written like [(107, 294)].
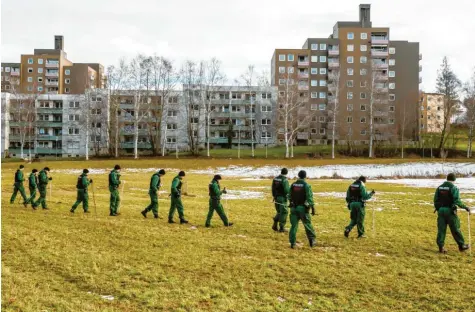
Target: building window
[(392, 97), (314, 71), (350, 48), (314, 58), (266, 135), (363, 120), (96, 111), (7, 69), (364, 36), (314, 95), (282, 57), (194, 120), (322, 130), (30, 61), (349, 71), (322, 95), (40, 70), (40, 89), (349, 119), (73, 131), (322, 107), (290, 57), (314, 83), (323, 83), (40, 61), (281, 82), (266, 122), (392, 62), (2, 69), (266, 108), (363, 71), (30, 69), (392, 108), (282, 69), (67, 81), (363, 59), (67, 72), (74, 104), (171, 140), (362, 95), (349, 59), (172, 113), (323, 59), (29, 88), (290, 70), (391, 121), (314, 46), (321, 119), (363, 132), (363, 48), (349, 83), (392, 50), (392, 73), (349, 95), (30, 79), (323, 46), (349, 107), (73, 118), (392, 85), (171, 126), (66, 90), (323, 71), (40, 79), (363, 84), (363, 108), (350, 36)]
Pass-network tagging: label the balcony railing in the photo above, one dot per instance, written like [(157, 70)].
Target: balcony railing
[(52, 83), (303, 75), (15, 73), (49, 74), (333, 64), (302, 136), (334, 52), (380, 65), (331, 87), (47, 137), (379, 40), (303, 63), (379, 53), (381, 77), (52, 92), (331, 99), (52, 65), (303, 87)]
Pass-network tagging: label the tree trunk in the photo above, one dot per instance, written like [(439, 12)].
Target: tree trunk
[(470, 138), (87, 135), (136, 139), (207, 131), (116, 134), (333, 137)]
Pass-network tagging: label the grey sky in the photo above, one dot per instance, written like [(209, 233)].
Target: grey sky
[(237, 32)]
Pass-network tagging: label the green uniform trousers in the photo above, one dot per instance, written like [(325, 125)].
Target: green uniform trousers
[(215, 205), (32, 197), (81, 197), (281, 210), (18, 187), (357, 215), (114, 201), (446, 216), (300, 213), (176, 204), (153, 203), (42, 199)]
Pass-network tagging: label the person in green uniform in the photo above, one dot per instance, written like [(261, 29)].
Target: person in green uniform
[(356, 196), (446, 201), (18, 186), (43, 180), (155, 183), (114, 182), (176, 203), (280, 193), (82, 195), (32, 185), (301, 201), (215, 202)]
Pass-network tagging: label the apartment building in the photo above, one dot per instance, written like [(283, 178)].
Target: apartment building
[(49, 71), (55, 125), (357, 79), (431, 113)]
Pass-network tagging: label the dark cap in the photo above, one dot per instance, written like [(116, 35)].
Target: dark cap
[(181, 173), (85, 171), (284, 171), (362, 179), (302, 174), (21, 166), (46, 169), (161, 171), (451, 177), (34, 170), (116, 167), (217, 177)]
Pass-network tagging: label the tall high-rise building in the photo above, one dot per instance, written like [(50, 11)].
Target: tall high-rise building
[(357, 81)]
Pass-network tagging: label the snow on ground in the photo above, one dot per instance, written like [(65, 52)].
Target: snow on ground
[(107, 170), (331, 194), (466, 185), (233, 194), (416, 169)]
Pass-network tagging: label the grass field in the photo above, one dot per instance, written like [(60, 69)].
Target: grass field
[(55, 261)]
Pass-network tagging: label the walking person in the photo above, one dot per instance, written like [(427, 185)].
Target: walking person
[(33, 186), (356, 197), (280, 194), (155, 183), (114, 182), (82, 194), (18, 186), (215, 202), (176, 203), (43, 180)]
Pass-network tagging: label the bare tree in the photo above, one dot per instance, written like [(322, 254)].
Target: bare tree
[(336, 88), (469, 104), (449, 85)]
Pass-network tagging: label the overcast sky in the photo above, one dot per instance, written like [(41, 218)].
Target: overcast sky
[(237, 32)]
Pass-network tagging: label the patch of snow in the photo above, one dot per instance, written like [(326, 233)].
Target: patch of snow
[(241, 236), (379, 255), (252, 179), (193, 228), (465, 185), (280, 299), (331, 194), (232, 194), (107, 297)]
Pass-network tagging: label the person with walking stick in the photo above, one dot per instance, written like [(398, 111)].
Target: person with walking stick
[(18, 186), (82, 195), (114, 182), (446, 201), (356, 197), (280, 194), (33, 186), (155, 183), (43, 180), (215, 202)]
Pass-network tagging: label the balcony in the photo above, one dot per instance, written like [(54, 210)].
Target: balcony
[(52, 92), (42, 137), (334, 52), (50, 74), (303, 63), (379, 53), (52, 83), (139, 145), (420, 79), (331, 99), (52, 110), (302, 136), (18, 138), (333, 64), (380, 65), (420, 68), (381, 77), (381, 89), (50, 124), (303, 88), (15, 73), (420, 56), (52, 65), (303, 75), (331, 87), (379, 40)]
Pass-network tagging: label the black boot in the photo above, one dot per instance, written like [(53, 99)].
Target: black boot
[(183, 221), (292, 246), (229, 224), (171, 221), (464, 247), (347, 233), (442, 250), (144, 213), (274, 226), (312, 242), (283, 230), (155, 216), (71, 211)]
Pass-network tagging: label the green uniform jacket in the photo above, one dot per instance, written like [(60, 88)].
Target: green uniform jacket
[(32, 180), (363, 194), (176, 187), (19, 176), (455, 195), (154, 183), (114, 180), (215, 190), (286, 186), (85, 182), (308, 192), (43, 178)]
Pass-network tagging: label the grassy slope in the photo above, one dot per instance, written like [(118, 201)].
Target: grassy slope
[(52, 260)]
